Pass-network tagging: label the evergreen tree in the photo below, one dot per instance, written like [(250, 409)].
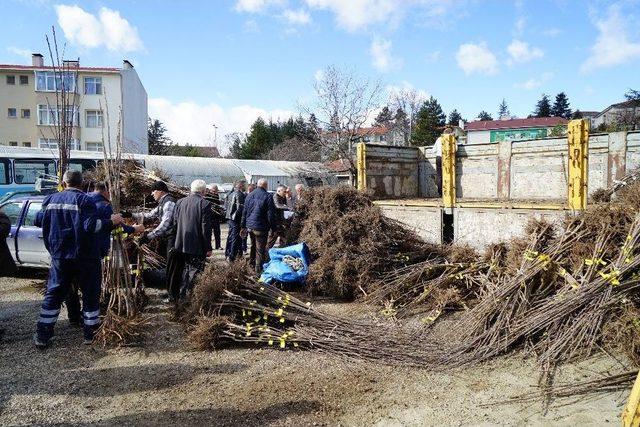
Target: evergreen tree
[(483, 116), (543, 107), (401, 122), (384, 118), (454, 118), (429, 122), (560, 107), (159, 143), (503, 110)]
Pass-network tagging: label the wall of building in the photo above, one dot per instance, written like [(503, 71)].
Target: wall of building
[(19, 130), (109, 102), (393, 172), (135, 114)]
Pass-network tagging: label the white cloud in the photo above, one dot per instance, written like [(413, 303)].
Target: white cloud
[(255, 6), (108, 29), (434, 56), (520, 26), (297, 17), (25, 53), (534, 83), (613, 45), (381, 57), (476, 58), (405, 87), (356, 14), (189, 122), (520, 52), (552, 32)]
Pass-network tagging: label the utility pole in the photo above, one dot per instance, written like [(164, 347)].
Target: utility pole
[(215, 134)]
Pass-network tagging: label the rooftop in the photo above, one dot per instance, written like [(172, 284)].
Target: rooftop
[(13, 67), (532, 122)]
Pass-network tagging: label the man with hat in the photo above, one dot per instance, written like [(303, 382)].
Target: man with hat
[(164, 213)]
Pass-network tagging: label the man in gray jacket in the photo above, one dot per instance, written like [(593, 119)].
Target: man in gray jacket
[(193, 225)]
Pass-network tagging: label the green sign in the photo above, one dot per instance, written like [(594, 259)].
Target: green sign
[(518, 134)]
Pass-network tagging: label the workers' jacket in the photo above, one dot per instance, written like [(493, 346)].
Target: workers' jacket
[(234, 205), (70, 225), (193, 225), (104, 211), (7, 265), (259, 212), (281, 206)]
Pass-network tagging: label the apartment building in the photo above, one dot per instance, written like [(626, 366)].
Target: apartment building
[(28, 105)]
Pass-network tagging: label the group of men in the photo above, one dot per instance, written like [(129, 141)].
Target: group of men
[(259, 215), (77, 228)]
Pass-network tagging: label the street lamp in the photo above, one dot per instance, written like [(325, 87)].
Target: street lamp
[(215, 134)]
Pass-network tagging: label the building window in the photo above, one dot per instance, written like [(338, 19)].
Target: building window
[(24, 80), (12, 113), (11, 80), (93, 85), (26, 144), (25, 113), (48, 116), (93, 118), (94, 146), (49, 81), (13, 143), (52, 143)]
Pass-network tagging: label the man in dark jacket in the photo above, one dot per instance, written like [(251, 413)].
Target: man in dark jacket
[(100, 197), (234, 206), (217, 210), (7, 265), (258, 218), (70, 225), (281, 206), (192, 221)]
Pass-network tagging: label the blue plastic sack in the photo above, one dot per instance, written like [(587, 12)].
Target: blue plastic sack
[(277, 270)]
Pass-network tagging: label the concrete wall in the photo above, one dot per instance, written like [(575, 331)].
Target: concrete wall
[(533, 169), (393, 172), (425, 221), (475, 226)]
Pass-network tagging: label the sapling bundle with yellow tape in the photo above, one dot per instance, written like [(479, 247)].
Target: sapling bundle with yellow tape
[(122, 289)]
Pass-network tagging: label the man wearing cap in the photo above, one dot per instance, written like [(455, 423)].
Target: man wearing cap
[(163, 212)]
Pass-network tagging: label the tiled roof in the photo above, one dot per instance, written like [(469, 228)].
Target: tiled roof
[(340, 165), (515, 123), (79, 69)]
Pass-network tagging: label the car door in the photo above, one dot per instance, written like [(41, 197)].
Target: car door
[(14, 211), (31, 250)]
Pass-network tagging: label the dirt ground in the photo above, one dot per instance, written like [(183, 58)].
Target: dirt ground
[(166, 383)]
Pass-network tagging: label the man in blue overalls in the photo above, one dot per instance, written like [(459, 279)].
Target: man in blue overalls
[(70, 227), (100, 197)]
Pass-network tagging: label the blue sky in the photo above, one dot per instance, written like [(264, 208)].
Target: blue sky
[(226, 62)]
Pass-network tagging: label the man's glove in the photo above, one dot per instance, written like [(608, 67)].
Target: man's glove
[(126, 214), (144, 239)]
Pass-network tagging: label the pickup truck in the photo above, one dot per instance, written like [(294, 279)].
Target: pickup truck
[(25, 240)]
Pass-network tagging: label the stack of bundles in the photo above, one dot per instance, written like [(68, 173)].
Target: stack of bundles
[(352, 243), (564, 295), (136, 182), (229, 305)]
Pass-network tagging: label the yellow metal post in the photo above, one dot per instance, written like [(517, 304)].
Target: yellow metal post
[(578, 137), (448, 170), (631, 413), (361, 160)]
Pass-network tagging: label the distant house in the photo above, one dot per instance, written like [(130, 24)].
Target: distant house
[(380, 135), (342, 170), (482, 132), (627, 112)]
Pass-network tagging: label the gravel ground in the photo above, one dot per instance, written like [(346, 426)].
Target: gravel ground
[(166, 383)]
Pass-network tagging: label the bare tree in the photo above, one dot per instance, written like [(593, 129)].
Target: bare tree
[(344, 102), (294, 149), (408, 101), (62, 112)]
